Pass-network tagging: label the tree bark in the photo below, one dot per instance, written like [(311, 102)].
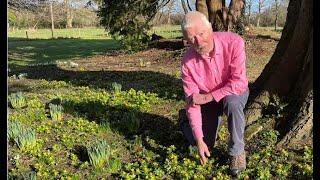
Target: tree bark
[(289, 76), (221, 17)]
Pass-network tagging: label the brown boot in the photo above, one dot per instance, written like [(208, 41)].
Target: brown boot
[(238, 163)]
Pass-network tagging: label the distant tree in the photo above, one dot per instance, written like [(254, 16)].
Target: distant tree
[(249, 6), (260, 8), (276, 4), (69, 13), (169, 11), (128, 20), (12, 18), (269, 13), (24, 4)]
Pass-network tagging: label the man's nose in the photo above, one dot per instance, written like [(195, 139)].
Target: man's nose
[(198, 40)]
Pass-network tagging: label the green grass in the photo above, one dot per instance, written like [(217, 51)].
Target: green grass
[(39, 48), (168, 31), (83, 33), (82, 43), (21, 53)]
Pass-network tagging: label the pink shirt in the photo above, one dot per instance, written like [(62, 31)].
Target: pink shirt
[(221, 74)]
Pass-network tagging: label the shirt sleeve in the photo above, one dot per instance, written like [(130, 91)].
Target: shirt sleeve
[(193, 111), (237, 82)]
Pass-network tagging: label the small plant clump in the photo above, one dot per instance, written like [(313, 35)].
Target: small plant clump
[(56, 111), (99, 152), (14, 128), (17, 100), (116, 87), (24, 138)]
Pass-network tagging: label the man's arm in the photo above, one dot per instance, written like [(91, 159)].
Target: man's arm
[(194, 113), (237, 82), (192, 109)]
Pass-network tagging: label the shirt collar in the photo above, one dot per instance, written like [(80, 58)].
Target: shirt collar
[(217, 48)]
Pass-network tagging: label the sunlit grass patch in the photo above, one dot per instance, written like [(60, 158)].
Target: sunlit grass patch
[(167, 31), (85, 33)]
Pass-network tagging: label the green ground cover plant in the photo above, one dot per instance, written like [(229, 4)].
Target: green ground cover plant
[(116, 126)]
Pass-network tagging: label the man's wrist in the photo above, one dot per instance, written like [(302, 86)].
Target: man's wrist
[(199, 140), (209, 97)]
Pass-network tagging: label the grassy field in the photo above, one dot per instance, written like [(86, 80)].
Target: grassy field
[(73, 44), (102, 114), (87, 33)]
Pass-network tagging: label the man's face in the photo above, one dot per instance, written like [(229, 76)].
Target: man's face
[(199, 36)]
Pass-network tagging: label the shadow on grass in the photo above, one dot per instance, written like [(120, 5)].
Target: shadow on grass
[(164, 85), (168, 44), (128, 121), (22, 51)]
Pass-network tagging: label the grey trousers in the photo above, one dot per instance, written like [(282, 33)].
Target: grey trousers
[(211, 112)]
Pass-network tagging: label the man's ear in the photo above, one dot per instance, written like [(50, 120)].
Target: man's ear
[(185, 42)]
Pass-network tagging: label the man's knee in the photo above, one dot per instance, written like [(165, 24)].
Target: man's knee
[(232, 103)]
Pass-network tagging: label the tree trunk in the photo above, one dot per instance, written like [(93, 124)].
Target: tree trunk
[(249, 11), (170, 6), (259, 13), (236, 10), (221, 17), (69, 17), (276, 15), (52, 22), (289, 76), (184, 7)]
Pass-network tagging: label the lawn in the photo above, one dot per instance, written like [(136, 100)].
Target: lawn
[(96, 112)]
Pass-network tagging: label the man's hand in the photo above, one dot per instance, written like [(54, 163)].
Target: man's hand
[(200, 99), (203, 151)]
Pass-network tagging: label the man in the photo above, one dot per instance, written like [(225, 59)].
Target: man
[(214, 81)]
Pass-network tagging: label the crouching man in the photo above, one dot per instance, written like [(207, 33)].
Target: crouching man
[(214, 81)]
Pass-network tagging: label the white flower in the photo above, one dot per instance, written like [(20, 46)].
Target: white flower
[(22, 75), (73, 65), (16, 157)]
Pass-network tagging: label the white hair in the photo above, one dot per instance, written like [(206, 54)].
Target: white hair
[(187, 20)]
